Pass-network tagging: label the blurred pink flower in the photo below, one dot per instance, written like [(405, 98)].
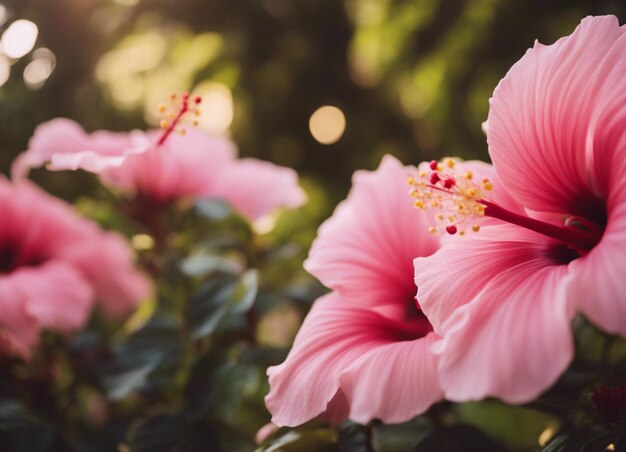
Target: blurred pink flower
[(502, 300), (194, 165), (363, 351), (53, 265)]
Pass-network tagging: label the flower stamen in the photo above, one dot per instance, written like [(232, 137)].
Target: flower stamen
[(175, 114), (456, 197)]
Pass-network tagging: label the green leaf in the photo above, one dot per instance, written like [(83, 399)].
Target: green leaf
[(354, 438), (516, 426), (590, 439), (400, 437), (147, 360), (210, 304), (173, 432), (213, 209), (457, 438), (245, 292), (318, 440), (21, 432), (219, 383), (222, 296), (201, 264)]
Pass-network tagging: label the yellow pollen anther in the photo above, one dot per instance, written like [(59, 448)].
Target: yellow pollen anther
[(476, 228), (452, 190), (176, 114), (432, 230)]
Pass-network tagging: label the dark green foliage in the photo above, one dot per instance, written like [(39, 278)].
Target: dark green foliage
[(146, 361), (22, 432), (457, 438)]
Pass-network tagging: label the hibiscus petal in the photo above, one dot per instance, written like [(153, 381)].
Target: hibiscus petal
[(393, 382), (338, 343), (19, 330), (55, 294), (456, 273), (183, 166), (119, 287), (256, 188), (601, 274), (513, 340), (65, 145), (541, 113), (600, 285), (366, 248)]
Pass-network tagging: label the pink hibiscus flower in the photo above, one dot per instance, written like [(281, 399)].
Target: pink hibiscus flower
[(503, 299), (163, 166), (363, 351), (54, 265)]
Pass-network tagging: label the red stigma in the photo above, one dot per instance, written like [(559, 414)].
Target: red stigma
[(449, 183), (451, 229), (176, 113), (434, 178), (433, 165)]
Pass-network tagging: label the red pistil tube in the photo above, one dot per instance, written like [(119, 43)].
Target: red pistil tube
[(580, 240), (183, 109)]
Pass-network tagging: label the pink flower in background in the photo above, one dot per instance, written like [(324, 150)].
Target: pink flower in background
[(162, 166), (363, 351), (503, 299), (54, 265)]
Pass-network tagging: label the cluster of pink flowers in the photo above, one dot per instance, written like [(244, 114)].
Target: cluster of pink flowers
[(55, 264), (526, 246)]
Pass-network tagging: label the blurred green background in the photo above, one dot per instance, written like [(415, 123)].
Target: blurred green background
[(411, 78)]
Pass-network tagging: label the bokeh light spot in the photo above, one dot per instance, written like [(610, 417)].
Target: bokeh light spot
[(38, 70), (327, 124), (3, 14), (5, 69), (19, 38), (217, 107)]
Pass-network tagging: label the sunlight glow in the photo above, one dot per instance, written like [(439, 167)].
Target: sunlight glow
[(327, 124), (217, 107), (5, 69), (38, 70), (3, 14), (19, 38)]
